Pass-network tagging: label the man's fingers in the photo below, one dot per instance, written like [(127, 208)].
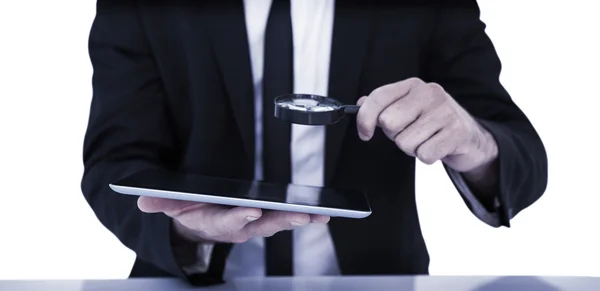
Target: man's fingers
[(418, 132), (234, 219), (399, 116), (436, 147), (214, 220), (276, 221), (319, 218), (154, 205), (378, 100)]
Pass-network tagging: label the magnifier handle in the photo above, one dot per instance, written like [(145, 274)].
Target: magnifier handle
[(351, 109)]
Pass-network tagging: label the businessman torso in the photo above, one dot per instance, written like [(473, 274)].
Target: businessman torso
[(199, 55), (203, 57)]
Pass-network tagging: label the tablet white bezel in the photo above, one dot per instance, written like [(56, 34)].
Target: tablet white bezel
[(241, 202)]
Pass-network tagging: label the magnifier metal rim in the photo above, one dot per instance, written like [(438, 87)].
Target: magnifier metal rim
[(308, 117)]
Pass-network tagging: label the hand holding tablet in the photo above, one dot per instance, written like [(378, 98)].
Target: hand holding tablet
[(205, 222), (229, 210)]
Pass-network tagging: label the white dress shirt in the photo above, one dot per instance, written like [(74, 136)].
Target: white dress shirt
[(312, 25)]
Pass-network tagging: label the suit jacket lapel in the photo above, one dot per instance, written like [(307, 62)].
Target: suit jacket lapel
[(229, 37), (349, 46)]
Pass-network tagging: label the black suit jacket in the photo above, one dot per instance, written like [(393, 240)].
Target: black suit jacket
[(172, 89)]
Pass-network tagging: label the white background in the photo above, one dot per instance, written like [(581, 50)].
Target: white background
[(550, 53)]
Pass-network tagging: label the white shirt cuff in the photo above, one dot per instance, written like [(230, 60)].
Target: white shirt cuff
[(203, 255), (490, 218)]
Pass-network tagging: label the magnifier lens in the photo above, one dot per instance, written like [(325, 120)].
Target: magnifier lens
[(309, 109), (306, 102), (323, 108), (307, 105)]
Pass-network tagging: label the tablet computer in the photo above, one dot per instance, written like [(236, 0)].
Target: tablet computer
[(255, 194)]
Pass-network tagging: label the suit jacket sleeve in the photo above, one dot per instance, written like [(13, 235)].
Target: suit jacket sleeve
[(463, 60), (129, 131)]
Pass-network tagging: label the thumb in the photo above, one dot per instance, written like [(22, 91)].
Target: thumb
[(361, 100)]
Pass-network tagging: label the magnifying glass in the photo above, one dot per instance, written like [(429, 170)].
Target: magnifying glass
[(310, 109)]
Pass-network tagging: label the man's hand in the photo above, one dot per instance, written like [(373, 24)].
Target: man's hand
[(202, 222), (427, 123)]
